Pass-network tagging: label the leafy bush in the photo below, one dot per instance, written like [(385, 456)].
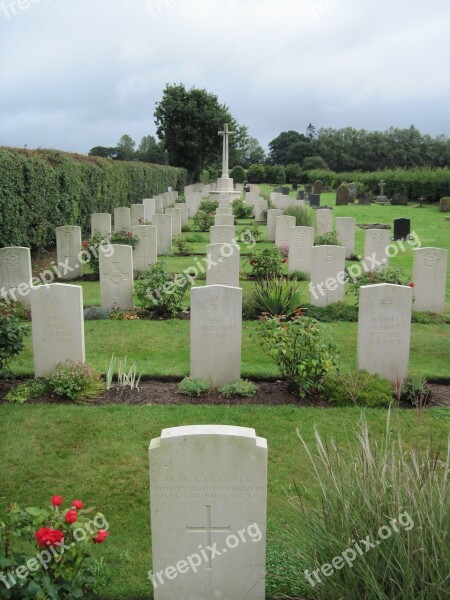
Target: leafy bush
[(76, 381), (33, 388), (209, 206), (303, 215), (96, 313), (302, 350), (242, 388), (249, 310), (12, 333), (238, 174), (337, 311), (162, 292), (327, 239), (277, 297), (267, 262), (299, 276), (253, 229), (387, 275), (182, 245), (241, 210), (255, 173), (15, 309), (281, 176), (293, 173), (193, 387), (123, 237), (195, 238), (203, 221), (358, 388), (414, 391)]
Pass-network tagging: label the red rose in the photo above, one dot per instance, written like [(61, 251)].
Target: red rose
[(101, 536), (71, 516), (57, 500), (284, 260), (48, 537), (411, 284), (85, 244), (77, 504)]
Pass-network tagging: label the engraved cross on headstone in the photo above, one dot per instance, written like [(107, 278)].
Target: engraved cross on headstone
[(209, 529), (116, 277), (226, 134)]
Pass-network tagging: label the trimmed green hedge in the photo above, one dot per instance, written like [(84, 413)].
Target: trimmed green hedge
[(43, 189), (433, 184)]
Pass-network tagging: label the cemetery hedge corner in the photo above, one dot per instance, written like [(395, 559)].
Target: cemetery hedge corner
[(44, 189)]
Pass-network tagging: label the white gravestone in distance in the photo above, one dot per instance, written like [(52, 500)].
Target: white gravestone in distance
[(216, 333), (222, 234), (164, 225), (430, 274), (137, 214), (272, 214), (223, 264), (283, 225), (101, 223), (15, 274), (193, 203), (57, 326), (327, 275), (175, 213), (145, 253), (324, 221), (224, 220), (68, 249), (376, 249), (159, 209), (345, 231), (384, 330), (116, 278), (122, 219), (149, 208), (258, 210), (301, 242), (184, 213), (208, 491)]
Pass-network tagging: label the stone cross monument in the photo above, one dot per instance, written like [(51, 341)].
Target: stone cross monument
[(225, 192), (225, 153)]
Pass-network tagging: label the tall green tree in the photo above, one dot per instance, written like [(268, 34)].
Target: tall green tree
[(188, 122), (288, 148), (126, 148), (151, 151)]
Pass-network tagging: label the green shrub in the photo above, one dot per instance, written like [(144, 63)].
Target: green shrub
[(125, 238), (415, 392), (293, 174), (241, 210), (254, 231), (12, 333), (281, 176), (387, 275), (270, 175), (302, 350), (242, 388), (249, 310), (15, 310), (255, 173), (238, 174), (358, 388), (337, 311), (299, 276), (209, 206), (267, 262), (76, 381), (33, 388), (195, 238), (193, 387), (327, 239), (303, 215), (182, 245), (162, 292), (96, 313), (203, 221), (277, 297)]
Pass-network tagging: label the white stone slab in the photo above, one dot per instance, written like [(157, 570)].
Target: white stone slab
[(116, 278), (224, 210), (175, 213), (184, 213), (164, 226), (222, 234), (223, 264), (159, 209), (15, 274), (376, 249), (57, 326), (258, 210), (283, 225), (145, 252), (68, 250), (149, 208), (301, 242), (324, 221), (345, 231), (101, 223), (208, 491), (384, 329), (122, 219), (137, 214), (216, 332), (224, 220), (193, 203), (272, 214), (327, 275), (429, 278)]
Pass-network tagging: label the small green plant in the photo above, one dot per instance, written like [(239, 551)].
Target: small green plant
[(127, 376), (193, 387), (337, 311), (182, 245), (162, 292), (209, 206), (12, 334), (249, 310), (242, 388), (277, 297), (125, 238), (195, 238), (387, 275), (302, 349), (299, 276), (76, 381), (242, 210), (415, 392), (96, 313), (254, 231), (238, 174), (203, 221), (327, 239), (267, 262), (303, 215), (358, 388), (33, 388)]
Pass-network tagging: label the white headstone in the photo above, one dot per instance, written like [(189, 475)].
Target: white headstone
[(258, 210), (384, 329), (122, 219), (251, 198), (205, 191), (137, 214), (282, 227), (301, 242), (159, 209), (376, 249), (324, 221), (57, 326), (224, 210), (429, 278), (222, 234), (192, 202), (15, 274), (272, 214), (208, 496), (255, 189), (223, 264), (175, 213), (164, 225), (216, 332), (145, 252), (101, 223), (327, 275), (184, 213), (345, 231), (224, 220), (68, 249), (149, 208), (116, 278)]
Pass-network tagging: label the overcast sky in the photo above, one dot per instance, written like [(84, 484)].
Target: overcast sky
[(80, 73)]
